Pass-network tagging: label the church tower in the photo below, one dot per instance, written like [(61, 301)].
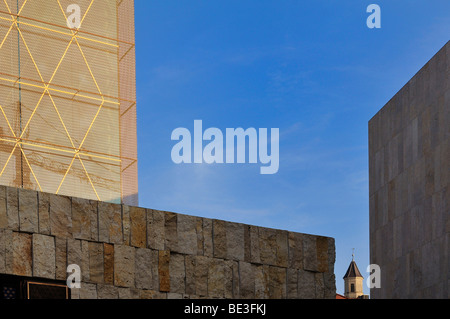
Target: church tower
[(353, 282)]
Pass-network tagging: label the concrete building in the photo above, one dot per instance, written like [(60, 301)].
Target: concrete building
[(409, 158), (68, 98)]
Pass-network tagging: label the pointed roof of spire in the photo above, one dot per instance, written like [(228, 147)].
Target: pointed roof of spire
[(352, 271)]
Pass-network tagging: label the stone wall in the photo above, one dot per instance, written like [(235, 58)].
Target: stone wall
[(132, 252), (409, 152)]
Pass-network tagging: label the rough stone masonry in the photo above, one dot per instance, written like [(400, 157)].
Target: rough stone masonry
[(131, 252)]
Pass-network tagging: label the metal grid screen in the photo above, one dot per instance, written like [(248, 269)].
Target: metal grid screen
[(67, 98)]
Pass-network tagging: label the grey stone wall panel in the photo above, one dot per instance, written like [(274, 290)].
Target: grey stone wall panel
[(409, 141)]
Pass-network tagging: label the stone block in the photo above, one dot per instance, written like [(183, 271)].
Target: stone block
[(331, 254), (110, 223), (177, 273), (231, 274), (187, 239), (261, 281), (124, 266), (247, 275), (138, 226), (60, 258), (273, 247), (267, 246), (74, 252), (295, 241), (60, 216), (5, 251), (247, 243), (164, 271), (108, 263), (320, 286), (74, 293), (174, 296), (282, 248), (3, 208), (196, 268), (44, 256), (310, 253), (306, 284), (84, 219), (208, 249), (292, 283), (78, 254), (255, 255), (22, 254), (96, 262), (219, 239), (277, 282), (107, 292), (152, 294), (155, 230), (235, 236), (28, 211), (200, 236), (170, 231), (216, 278), (85, 261), (329, 280), (322, 254), (44, 213), (190, 264), (12, 208), (146, 269), (126, 225), (88, 291), (128, 293), (9, 251)]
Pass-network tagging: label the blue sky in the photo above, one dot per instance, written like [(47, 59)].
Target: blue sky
[(313, 69)]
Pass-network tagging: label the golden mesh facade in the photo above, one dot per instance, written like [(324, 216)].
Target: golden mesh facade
[(67, 98)]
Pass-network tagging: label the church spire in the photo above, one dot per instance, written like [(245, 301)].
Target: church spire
[(353, 280)]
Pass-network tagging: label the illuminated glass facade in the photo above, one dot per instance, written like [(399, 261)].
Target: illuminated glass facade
[(67, 98)]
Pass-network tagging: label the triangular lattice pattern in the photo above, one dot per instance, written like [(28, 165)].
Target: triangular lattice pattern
[(66, 95)]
